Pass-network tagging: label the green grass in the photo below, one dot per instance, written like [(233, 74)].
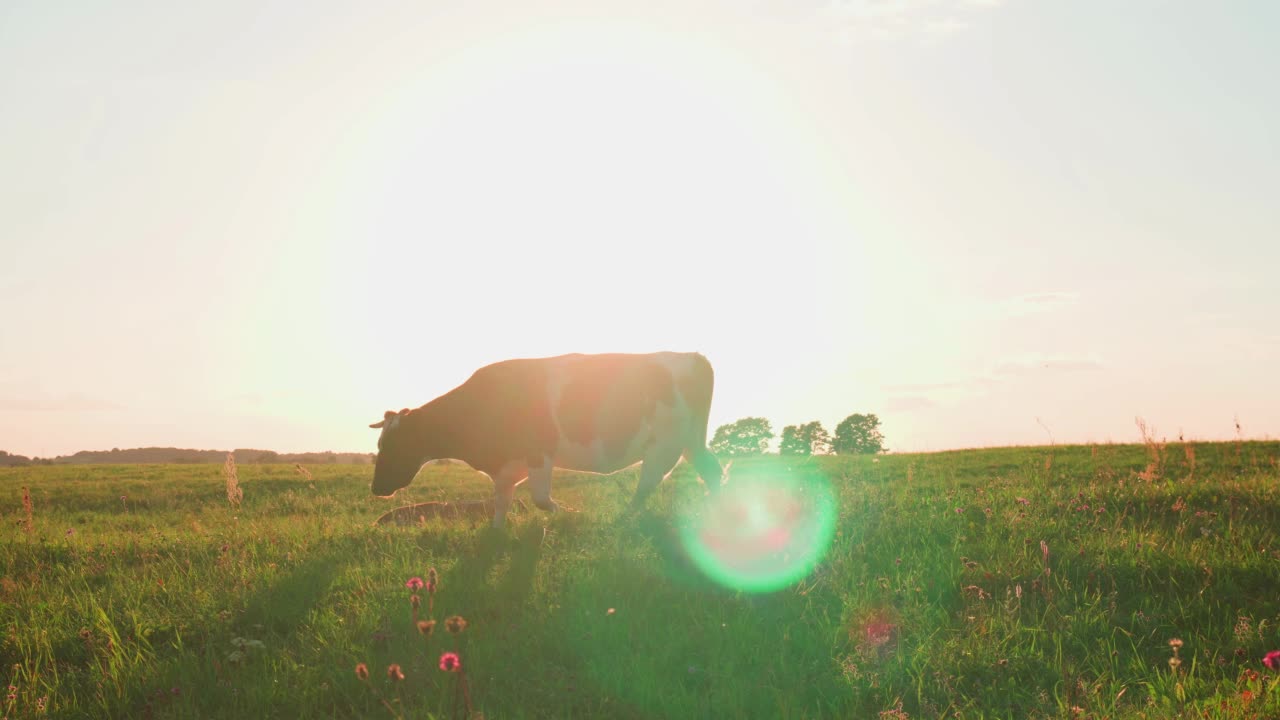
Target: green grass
[(934, 596)]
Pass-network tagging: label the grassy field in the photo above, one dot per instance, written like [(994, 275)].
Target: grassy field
[(1010, 583)]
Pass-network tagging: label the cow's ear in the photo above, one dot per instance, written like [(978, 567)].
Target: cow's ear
[(385, 417), (404, 411)]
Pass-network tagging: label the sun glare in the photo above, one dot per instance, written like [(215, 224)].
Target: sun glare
[(759, 534), (587, 187)]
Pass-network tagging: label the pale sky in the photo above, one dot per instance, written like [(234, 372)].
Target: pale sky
[(240, 224)]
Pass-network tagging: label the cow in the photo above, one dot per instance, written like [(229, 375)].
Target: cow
[(518, 419)]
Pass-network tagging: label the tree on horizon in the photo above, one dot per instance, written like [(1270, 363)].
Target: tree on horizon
[(859, 434), (807, 439), (747, 436)]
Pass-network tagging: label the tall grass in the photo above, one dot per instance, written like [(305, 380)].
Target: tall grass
[(234, 494), (28, 510), (974, 584)]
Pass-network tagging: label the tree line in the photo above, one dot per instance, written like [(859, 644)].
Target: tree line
[(166, 455), (857, 434)]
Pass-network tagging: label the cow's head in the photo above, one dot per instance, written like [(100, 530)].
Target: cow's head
[(399, 453)]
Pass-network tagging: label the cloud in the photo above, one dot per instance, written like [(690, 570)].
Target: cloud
[(946, 26), (894, 17), (913, 388), (15, 399), (1006, 372), (908, 403), (1036, 303), (1213, 318), (1028, 364), (257, 398)]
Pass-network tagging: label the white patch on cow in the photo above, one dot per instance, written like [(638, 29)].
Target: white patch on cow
[(504, 485), (540, 485), (668, 428)]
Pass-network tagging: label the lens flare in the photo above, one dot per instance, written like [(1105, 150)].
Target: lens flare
[(760, 534)]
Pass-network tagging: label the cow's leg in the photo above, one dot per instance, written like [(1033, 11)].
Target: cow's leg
[(708, 467), (658, 463), (504, 487), (540, 486)]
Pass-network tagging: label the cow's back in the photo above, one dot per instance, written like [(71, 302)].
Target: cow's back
[(596, 413), (608, 409)]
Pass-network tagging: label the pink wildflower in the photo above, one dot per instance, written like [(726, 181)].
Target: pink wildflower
[(1272, 660), (414, 583), (878, 632), (449, 662)]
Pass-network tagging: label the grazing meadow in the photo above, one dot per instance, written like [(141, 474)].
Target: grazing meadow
[(1107, 581)]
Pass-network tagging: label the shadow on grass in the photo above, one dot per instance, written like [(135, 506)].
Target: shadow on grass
[(497, 572), (282, 608), (275, 613), (677, 566), (635, 630)]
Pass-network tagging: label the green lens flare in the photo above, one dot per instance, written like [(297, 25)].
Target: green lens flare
[(760, 534)]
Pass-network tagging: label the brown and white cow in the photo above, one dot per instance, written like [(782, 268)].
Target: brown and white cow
[(518, 419)]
